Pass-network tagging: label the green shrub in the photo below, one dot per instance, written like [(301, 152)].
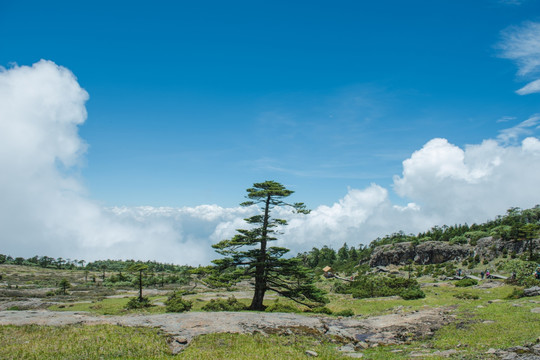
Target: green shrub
[(466, 296), (322, 310), (346, 313), (377, 286), (231, 304), (475, 236), (279, 307), (136, 303), (523, 270), (412, 294), (119, 284), (340, 288), (176, 304), (458, 240), (466, 282), (516, 294)]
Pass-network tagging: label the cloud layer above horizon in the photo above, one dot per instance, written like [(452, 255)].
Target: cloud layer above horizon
[(45, 209)]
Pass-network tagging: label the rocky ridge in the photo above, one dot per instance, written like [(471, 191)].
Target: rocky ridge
[(436, 252)]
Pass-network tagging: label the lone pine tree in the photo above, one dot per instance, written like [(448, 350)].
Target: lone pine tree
[(248, 253)]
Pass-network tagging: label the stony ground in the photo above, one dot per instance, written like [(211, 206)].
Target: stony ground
[(182, 328)]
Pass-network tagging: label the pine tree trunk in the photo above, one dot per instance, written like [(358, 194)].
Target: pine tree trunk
[(258, 296), (260, 269), (140, 286)]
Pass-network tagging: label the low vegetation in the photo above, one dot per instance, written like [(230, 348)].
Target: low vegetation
[(138, 303), (81, 342), (370, 286), (466, 283), (231, 304), (175, 303)]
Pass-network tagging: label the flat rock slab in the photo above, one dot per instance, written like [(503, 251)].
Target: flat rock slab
[(182, 328)]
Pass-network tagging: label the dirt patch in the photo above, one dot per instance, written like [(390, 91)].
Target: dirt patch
[(182, 328)]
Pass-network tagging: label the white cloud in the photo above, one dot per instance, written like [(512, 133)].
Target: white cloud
[(45, 210), (530, 88), (447, 185), (511, 2), (522, 44), (506, 119), (484, 180), (511, 135)]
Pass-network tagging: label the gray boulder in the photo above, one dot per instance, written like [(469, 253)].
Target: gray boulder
[(532, 291)]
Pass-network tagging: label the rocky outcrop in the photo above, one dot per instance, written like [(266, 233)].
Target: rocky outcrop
[(436, 252), (489, 248), (429, 252)]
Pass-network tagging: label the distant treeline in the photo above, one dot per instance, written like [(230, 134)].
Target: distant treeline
[(100, 265), (342, 260), (124, 265), (43, 261)]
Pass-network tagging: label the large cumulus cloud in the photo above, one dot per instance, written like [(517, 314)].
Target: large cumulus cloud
[(445, 184), (45, 210)]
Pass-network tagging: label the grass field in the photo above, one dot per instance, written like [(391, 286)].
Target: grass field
[(485, 318)]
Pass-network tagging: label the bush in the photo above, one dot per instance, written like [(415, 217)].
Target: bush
[(346, 313), (322, 310), (466, 282), (279, 307), (176, 304), (118, 284), (412, 294), (466, 296), (136, 303), (458, 240), (475, 236), (516, 294), (377, 286), (524, 271), (231, 304)]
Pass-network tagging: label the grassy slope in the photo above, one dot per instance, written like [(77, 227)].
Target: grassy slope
[(489, 321)]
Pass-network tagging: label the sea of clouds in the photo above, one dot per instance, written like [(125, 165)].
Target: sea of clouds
[(45, 210)]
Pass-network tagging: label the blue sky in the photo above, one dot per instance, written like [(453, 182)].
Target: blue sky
[(192, 102)]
